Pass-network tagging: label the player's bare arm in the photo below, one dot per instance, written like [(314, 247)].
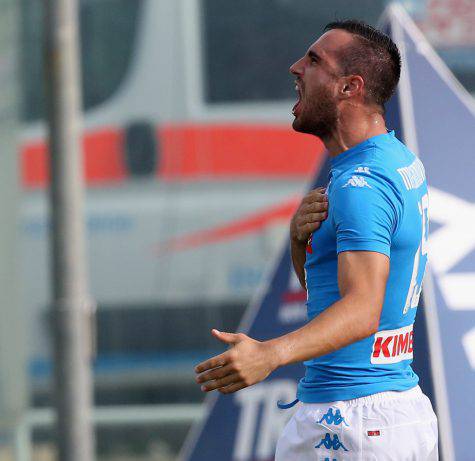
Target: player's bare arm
[(362, 277), (307, 219)]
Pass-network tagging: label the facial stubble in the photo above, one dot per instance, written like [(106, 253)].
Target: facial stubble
[(318, 115)]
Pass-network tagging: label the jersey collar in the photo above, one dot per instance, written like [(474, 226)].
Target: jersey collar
[(353, 155)]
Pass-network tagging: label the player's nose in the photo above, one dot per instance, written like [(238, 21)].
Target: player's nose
[(296, 67)]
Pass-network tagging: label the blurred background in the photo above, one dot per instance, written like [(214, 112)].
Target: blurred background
[(182, 215)]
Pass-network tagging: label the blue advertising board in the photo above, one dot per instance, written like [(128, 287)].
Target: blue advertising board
[(435, 117), (437, 120)]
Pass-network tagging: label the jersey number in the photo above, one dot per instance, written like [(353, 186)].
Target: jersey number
[(415, 287)]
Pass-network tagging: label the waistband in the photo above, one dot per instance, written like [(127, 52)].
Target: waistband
[(385, 396)]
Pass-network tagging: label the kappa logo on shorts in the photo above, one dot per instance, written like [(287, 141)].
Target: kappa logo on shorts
[(331, 444), (333, 418), (392, 346)]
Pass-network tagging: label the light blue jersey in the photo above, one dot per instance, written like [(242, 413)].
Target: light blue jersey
[(377, 202)]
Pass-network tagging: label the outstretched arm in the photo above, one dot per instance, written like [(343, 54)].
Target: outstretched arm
[(362, 277)]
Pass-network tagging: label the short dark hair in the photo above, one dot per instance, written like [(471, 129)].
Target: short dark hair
[(374, 56)]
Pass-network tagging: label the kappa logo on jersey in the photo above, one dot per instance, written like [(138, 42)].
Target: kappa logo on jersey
[(363, 169), (392, 346), (331, 444), (357, 181), (333, 418)]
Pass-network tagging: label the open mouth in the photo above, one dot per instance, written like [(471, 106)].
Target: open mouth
[(296, 108)]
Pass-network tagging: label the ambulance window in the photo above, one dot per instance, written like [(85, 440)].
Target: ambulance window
[(108, 29), (249, 45)]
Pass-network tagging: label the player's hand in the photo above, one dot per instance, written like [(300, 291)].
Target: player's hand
[(246, 363), (307, 219)]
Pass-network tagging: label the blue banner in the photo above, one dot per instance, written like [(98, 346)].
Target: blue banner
[(437, 119)]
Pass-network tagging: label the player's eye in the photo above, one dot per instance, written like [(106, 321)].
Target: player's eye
[(314, 60)]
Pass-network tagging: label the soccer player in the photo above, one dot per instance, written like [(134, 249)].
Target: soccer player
[(360, 251)]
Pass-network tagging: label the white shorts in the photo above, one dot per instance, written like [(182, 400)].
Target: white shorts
[(395, 426)]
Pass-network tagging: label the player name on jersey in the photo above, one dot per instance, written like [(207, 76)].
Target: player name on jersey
[(392, 346)]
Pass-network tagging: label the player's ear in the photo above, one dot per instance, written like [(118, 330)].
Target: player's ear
[(351, 86)]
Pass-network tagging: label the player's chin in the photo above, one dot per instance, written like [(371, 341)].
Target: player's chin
[(297, 124), (300, 125)]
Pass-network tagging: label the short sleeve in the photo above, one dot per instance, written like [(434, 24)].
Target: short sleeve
[(365, 213)]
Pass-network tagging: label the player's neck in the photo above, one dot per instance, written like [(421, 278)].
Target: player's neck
[(353, 129)]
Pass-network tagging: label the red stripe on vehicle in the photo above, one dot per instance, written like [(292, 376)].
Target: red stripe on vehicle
[(236, 150), (102, 155), (191, 152), (236, 228)]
